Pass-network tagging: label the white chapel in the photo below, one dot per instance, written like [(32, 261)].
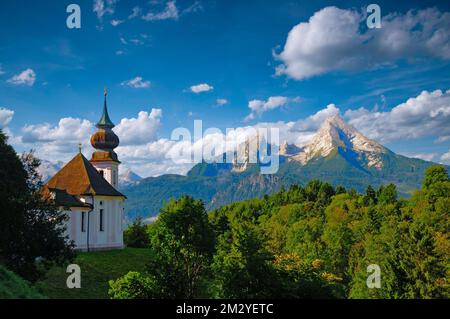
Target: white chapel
[(87, 190)]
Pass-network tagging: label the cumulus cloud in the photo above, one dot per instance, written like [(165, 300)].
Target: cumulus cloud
[(140, 130), (56, 142), (337, 40), (137, 83), (259, 107), (428, 114), (6, 116), (104, 7), (26, 77), (68, 129), (169, 12), (199, 88)]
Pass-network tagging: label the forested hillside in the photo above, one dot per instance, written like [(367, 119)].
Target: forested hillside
[(312, 241)]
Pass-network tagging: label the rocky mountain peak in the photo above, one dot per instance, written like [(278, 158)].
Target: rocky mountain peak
[(336, 133), (128, 177)]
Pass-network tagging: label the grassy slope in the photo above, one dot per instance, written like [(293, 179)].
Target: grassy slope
[(97, 268), (14, 287)]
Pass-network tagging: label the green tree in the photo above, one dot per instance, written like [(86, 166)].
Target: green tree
[(371, 196), (31, 226), (435, 174), (183, 242), (242, 266), (387, 194), (136, 234)]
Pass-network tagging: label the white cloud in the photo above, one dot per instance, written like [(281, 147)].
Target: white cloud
[(428, 114), (123, 40), (333, 40), (195, 7), (137, 83), (140, 39), (140, 130), (1, 70), (68, 129), (136, 11), (146, 154), (169, 12), (423, 156), (445, 158), (259, 107), (116, 22), (26, 77), (58, 142), (104, 7), (199, 88), (221, 102), (6, 116)]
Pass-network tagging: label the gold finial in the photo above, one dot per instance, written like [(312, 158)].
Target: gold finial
[(79, 147), (104, 91)]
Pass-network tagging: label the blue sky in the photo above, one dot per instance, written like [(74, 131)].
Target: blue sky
[(236, 48)]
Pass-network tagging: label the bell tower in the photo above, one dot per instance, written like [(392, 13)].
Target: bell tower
[(104, 140)]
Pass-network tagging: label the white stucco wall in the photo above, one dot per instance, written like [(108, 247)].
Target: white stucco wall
[(110, 171), (112, 235)]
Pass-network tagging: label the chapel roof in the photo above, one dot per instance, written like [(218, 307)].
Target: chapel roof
[(62, 198), (80, 177)]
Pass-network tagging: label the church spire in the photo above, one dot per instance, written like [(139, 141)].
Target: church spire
[(105, 121)]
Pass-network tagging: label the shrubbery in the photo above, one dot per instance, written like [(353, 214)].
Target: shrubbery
[(136, 234)]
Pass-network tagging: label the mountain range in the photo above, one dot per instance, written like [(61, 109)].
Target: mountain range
[(338, 154)]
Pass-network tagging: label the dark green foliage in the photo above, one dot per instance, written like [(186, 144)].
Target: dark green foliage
[(31, 227), (136, 234), (14, 287)]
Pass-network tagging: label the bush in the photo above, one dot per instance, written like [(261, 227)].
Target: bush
[(136, 234), (131, 286)]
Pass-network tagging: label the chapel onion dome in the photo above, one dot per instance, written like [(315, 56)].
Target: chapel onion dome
[(105, 139)]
